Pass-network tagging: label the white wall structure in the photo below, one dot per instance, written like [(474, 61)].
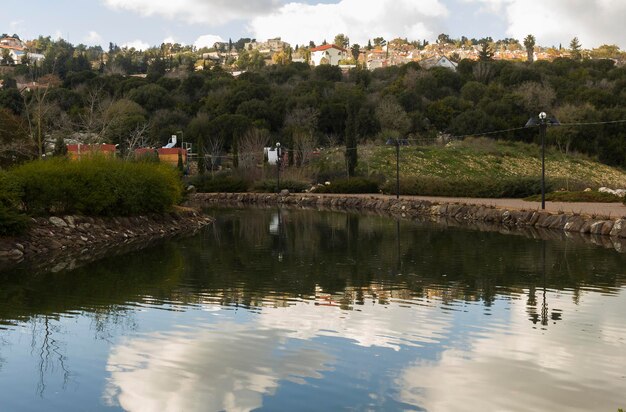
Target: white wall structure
[(327, 54)]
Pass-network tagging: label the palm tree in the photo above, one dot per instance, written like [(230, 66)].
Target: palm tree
[(529, 43)]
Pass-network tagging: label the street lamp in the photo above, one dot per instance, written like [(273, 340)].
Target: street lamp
[(542, 121), (278, 151), (397, 143)]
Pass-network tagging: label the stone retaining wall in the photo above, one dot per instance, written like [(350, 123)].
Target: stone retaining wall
[(423, 208), (70, 239)]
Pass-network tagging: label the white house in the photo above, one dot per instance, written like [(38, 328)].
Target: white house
[(437, 61), (328, 54)]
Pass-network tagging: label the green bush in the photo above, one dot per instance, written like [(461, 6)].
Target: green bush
[(353, 185), (269, 186), (12, 221), (519, 187), (97, 186), (219, 184)]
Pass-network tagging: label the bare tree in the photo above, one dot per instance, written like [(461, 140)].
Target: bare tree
[(392, 118), (213, 149), (92, 119), (14, 140), (301, 123), (38, 112), (250, 154), (139, 137), (536, 97)]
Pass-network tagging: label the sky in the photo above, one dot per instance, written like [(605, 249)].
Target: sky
[(142, 23)]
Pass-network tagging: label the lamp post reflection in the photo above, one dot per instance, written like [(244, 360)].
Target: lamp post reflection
[(276, 229), (544, 316)]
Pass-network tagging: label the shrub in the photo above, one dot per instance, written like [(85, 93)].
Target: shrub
[(97, 186), (217, 184), (269, 186), (353, 185), (12, 221), (518, 187)]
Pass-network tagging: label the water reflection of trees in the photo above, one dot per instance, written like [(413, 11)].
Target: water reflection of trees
[(331, 259), (100, 291), (337, 251)]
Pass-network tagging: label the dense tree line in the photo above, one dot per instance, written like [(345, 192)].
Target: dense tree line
[(304, 107)]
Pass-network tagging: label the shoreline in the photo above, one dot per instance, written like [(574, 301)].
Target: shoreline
[(62, 242), (607, 231)]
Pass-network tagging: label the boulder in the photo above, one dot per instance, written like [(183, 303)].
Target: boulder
[(57, 221)]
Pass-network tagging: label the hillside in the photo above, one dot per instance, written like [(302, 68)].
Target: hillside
[(479, 160)]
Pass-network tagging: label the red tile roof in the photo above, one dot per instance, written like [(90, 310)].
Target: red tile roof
[(326, 47)]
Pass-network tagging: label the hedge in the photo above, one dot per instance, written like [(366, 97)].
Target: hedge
[(97, 186)]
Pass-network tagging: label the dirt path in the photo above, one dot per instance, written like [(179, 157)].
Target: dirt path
[(613, 210)]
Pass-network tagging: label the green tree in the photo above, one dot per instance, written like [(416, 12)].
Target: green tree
[(6, 57), (341, 40), (486, 52), (444, 39), (351, 140), (60, 148), (575, 49), (393, 120), (529, 44), (355, 50)]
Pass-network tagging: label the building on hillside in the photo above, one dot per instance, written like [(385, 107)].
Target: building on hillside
[(270, 46), (328, 54), (78, 151), (12, 43), (438, 61)]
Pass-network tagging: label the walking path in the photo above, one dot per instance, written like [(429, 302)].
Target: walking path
[(612, 210)]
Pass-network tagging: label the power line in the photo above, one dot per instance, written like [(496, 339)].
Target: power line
[(232, 156), (593, 123)]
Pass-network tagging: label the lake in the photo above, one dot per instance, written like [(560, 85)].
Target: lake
[(284, 309)]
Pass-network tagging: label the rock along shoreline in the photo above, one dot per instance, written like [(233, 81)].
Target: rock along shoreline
[(60, 242), (414, 208)]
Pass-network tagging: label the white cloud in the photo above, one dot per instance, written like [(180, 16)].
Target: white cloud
[(169, 39), (203, 369), (361, 20), (207, 41), (214, 12), (136, 44), (594, 22), (93, 38), (518, 368)]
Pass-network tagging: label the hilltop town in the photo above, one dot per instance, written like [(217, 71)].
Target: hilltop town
[(246, 53)]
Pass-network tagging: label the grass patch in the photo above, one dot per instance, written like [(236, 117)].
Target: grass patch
[(594, 197), (475, 160)]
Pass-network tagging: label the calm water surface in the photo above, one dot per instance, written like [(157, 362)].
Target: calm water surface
[(299, 310)]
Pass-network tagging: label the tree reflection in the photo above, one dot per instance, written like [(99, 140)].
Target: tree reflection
[(282, 257)]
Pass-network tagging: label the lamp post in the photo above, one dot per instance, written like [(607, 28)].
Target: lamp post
[(542, 121), (397, 143), (278, 161)]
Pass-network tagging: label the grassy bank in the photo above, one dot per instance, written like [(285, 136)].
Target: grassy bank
[(474, 167)]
